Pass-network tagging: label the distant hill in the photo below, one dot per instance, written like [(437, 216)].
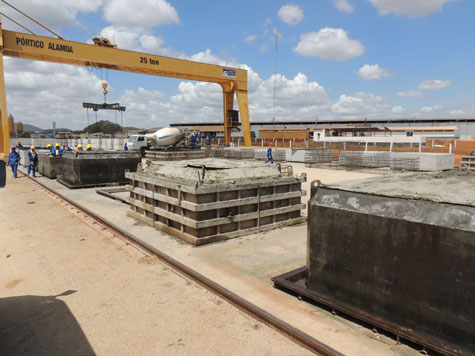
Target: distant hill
[(31, 128), (58, 129), (104, 126)]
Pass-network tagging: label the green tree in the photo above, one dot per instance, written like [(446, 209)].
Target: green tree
[(104, 126)]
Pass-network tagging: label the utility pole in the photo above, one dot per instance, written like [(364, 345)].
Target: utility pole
[(275, 73)]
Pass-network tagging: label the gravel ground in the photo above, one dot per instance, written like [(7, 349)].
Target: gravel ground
[(68, 289)]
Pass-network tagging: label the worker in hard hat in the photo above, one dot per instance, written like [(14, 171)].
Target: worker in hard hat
[(269, 154), (32, 161), (19, 145), (66, 148), (57, 150), (88, 147), (51, 149), (79, 147), (13, 160)]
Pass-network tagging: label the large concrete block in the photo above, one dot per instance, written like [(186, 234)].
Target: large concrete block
[(372, 159), (414, 161), (399, 249), (99, 167), (51, 167)]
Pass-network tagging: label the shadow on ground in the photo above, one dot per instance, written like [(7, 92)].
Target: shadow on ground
[(40, 325)]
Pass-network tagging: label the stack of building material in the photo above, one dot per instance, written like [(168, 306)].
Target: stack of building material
[(358, 159), (260, 154), (415, 161), (203, 201), (316, 156), (239, 152)]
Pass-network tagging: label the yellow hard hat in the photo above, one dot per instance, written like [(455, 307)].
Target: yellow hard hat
[(79, 146), (32, 147), (48, 145), (57, 145), (88, 145)]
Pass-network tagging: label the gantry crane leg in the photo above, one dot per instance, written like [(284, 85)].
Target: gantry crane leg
[(228, 103), (4, 132), (244, 113)]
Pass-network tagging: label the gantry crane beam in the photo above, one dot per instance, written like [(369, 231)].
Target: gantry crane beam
[(22, 45)]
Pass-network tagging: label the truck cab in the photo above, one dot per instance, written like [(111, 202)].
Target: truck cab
[(137, 142)]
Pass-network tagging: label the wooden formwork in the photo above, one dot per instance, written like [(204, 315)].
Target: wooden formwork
[(200, 214)]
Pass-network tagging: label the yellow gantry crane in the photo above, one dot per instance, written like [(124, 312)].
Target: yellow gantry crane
[(30, 46)]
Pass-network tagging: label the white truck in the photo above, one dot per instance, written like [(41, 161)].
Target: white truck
[(166, 138)]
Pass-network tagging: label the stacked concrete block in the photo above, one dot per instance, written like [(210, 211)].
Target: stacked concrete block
[(315, 156), (260, 154), (357, 159), (203, 201), (414, 161)]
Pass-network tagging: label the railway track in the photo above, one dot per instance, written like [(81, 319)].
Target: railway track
[(254, 311)]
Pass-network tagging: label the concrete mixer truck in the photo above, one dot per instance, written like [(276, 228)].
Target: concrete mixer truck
[(164, 139)]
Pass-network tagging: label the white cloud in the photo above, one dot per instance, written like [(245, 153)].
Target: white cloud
[(40, 92), (263, 48), (411, 8), (398, 110), (343, 5), (411, 94), (360, 104), (139, 39), (458, 112), (369, 97), (434, 84), (290, 14), (56, 14), (373, 72), (144, 13), (250, 38), (431, 109), (329, 44)]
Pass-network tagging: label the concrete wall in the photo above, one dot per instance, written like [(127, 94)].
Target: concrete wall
[(401, 260), (105, 143)]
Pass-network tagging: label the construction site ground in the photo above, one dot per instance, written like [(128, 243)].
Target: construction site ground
[(124, 303)]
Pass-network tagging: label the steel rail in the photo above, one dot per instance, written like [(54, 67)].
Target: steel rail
[(293, 333)]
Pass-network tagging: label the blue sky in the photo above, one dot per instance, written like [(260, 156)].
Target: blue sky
[(339, 59)]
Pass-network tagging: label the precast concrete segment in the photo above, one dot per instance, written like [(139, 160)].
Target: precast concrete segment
[(251, 309), (400, 248), (207, 200), (50, 166), (99, 167)]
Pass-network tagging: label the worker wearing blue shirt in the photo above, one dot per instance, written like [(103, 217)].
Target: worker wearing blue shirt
[(66, 148), (32, 161), (208, 140), (193, 140), (13, 160), (58, 151), (125, 147), (269, 154), (51, 149)]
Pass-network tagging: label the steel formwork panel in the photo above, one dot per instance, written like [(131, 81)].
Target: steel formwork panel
[(201, 214)]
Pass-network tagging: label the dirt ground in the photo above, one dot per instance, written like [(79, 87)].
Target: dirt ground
[(66, 289), (243, 265)]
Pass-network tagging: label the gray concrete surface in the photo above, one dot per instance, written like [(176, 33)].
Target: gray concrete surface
[(454, 187)]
